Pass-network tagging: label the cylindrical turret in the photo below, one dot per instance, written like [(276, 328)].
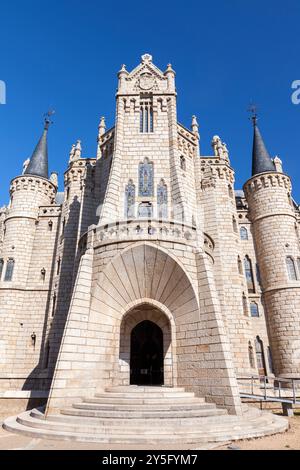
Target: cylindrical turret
[(273, 220)]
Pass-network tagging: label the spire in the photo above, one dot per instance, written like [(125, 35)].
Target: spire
[(261, 160), (38, 165)]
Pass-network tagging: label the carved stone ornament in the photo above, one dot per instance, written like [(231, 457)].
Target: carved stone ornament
[(146, 81)]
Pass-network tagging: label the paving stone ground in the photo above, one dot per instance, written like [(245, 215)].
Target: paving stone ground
[(287, 441)]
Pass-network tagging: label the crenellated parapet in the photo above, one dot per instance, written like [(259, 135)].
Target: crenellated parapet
[(214, 169), (266, 181), (106, 143), (77, 170), (187, 141), (35, 184)]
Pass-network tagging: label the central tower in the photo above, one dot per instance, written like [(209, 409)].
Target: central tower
[(148, 176)]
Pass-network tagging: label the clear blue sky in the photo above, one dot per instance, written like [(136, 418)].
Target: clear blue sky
[(66, 54)]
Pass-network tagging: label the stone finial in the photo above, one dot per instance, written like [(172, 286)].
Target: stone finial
[(25, 165), (102, 127), (169, 69), (195, 125), (123, 70), (77, 151), (54, 178), (146, 58), (278, 164), (72, 153)]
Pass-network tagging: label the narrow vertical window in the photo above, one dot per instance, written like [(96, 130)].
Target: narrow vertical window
[(146, 115), (244, 233), (260, 359), (240, 265), (47, 355), (270, 360), (50, 225), (249, 275), (291, 268), (298, 264), (230, 192), (251, 355), (162, 200), (53, 304), (1, 267), (182, 163), (9, 270), (130, 200), (254, 309), (58, 266)]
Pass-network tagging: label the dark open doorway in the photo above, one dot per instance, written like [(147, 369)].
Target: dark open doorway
[(146, 354)]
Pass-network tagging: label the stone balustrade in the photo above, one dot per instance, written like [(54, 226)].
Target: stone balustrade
[(143, 229)]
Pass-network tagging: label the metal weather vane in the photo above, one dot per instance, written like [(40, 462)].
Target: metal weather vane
[(47, 118), (253, 108)]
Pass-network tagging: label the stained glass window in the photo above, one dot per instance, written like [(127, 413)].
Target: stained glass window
[(146, 179), (162, 200), (130, 200)]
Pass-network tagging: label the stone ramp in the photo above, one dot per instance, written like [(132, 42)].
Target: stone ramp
[(146, 416)]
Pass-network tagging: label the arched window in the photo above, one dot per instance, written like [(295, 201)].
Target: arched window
[(249, 275), (130, 200), (162, 200), (50, 225), (251, 355), (235, 225), (9, 270), (245, 305), (240, 265), (230, 191), (254, 309), (146, 115), (146, 179), (244, 233), (298, 265), (182, 163), (260, 359), (68, 193), (1, 267), (145, 210), (291, 268)]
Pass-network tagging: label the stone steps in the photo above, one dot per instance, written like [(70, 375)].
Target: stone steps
[(144, 401), (151, 417), (151, 413)]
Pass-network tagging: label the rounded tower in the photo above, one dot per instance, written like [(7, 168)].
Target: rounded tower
[(28, 193), (273, 219)]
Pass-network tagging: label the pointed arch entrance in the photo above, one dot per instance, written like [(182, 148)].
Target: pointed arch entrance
[(146, 354), (146, 348)]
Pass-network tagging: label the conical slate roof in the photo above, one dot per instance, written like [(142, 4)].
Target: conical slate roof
[(261, 160), (38, 165)]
